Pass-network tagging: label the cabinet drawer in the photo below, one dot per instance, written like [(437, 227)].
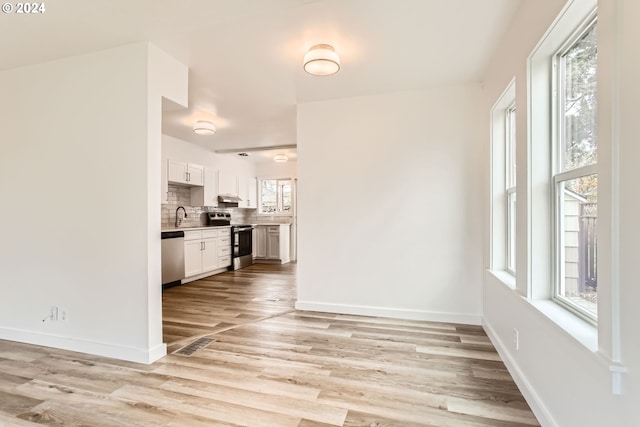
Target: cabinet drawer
[(224, 241), (224, 232), (207, 234), (224, 261), (224, 250), (193, 235), (273, 229)]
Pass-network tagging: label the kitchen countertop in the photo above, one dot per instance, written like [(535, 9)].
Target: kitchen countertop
[(203, 227)]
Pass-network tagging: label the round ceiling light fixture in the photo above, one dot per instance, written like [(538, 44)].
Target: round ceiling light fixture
[(280, 158), (322, 60), (203, 127)]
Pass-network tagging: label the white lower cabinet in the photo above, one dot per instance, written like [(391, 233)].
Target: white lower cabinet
[(261, 242), (206, 250), (209, 254), (192, 257), (273, 243)]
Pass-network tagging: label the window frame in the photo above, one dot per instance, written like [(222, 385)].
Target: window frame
[(499, 171), (559, 175), (510, 188), (278, 197)]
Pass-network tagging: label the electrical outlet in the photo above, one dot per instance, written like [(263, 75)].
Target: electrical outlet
[(516, 339), (54, 313), (63, 314)]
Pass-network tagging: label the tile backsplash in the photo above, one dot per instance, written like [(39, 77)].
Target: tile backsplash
[(197, 215)]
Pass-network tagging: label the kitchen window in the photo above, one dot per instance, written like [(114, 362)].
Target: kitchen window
[(574, 173), (276, 197)]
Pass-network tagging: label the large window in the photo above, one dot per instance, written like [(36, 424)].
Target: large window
[(574, 174), (276, 197)]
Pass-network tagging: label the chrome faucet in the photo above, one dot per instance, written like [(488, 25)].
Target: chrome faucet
[(178, 219)]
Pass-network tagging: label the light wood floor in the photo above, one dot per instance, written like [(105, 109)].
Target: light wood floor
[(268, 365)]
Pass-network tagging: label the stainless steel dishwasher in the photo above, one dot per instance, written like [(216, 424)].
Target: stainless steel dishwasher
[(172, 258)]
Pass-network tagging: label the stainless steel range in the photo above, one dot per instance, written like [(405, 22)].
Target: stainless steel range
[(241, 239), (241, 246)]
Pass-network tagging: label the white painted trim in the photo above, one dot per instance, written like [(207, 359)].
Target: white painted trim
[(614, 259), (205, 274), (539, 409), (146, 356), (397, 313)]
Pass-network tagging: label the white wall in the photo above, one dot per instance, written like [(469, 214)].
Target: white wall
[(183, 151), (168, 79), (74, 160), (277, 170), (567, 380), (389, 205)]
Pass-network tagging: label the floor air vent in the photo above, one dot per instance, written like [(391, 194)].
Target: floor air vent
[(198, 344)]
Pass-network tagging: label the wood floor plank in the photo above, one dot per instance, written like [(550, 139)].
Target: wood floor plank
[(13, 403), (267, 364)]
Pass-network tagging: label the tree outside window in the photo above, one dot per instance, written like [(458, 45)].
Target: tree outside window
[(576, 178)]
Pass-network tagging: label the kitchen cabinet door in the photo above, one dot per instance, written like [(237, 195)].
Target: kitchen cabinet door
[(177, 172), (196, 174), (192, 257), (253, 194), (164, 195), (209, 254), (184, 173), (227, 184), (207, 195), (273, 243), (261, 242), (254, 242), (247, 191)]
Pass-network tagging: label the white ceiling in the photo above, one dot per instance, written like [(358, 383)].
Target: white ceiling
[(245, 56)]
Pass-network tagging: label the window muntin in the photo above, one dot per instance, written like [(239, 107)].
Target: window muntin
[(276, 197), (575, 179)]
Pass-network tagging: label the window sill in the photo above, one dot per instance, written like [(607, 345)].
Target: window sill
[(575, 327), (505, 277), (275, 214)]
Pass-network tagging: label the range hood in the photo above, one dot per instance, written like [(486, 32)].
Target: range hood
[(227, 199)]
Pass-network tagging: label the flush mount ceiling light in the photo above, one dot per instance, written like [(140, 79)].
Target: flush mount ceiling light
[(321, 60), (280, 158), (203, 127)]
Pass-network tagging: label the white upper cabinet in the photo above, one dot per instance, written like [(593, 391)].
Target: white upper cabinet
[(248, 192), (196, 174), (227, 184), (164, 192), (207, 195), (184, 173)]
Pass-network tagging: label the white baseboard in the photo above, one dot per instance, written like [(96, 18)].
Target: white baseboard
[(533, 399), (203, 275), (146, 356), (397, 313)]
